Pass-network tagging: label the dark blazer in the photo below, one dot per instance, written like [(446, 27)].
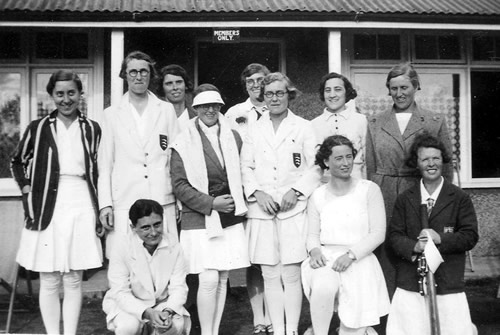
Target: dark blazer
[(35, 162), (196, 204), (453, 218)]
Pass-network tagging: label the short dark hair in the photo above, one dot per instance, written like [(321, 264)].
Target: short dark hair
[(325, 149), (63, 75), (177, 70), (250, 70), (293, 91), (425, 140), (142, 208), (139, 55), (350, 92), (404, 69)]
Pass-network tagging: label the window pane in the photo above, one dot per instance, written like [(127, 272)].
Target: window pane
[(10, 92), (365, 46), (76, 46), (426, 47), (389, 47), (449, 47), (56, 45), (485, 93), (11, 45), (48, 45)]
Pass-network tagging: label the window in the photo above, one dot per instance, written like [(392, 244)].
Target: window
[(486, 48), (485, 118), (61, 46), (377, 47), (11, 46), (438, 48)]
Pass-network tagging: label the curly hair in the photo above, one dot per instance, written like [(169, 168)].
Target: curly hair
[(325, 149), (350, 92), (425, 140), (293, 91)]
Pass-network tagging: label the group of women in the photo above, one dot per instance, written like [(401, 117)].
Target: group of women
[(250, 194)]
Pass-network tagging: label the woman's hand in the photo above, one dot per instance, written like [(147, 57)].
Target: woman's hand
[(289, 200), (342, 263), (223, 203), (160, 318), (266, 202), (317, 259), (106, 218)]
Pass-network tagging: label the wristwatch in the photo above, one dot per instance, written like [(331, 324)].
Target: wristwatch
[(351, 255)]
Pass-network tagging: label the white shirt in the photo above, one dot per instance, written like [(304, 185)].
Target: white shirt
[(348, 123), (426, 196), (183, 119), (141, 120), (403, 119), (70, 149), (244, 114)]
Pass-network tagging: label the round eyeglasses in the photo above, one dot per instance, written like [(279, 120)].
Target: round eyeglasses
[(279, 94), (252, 82), (142, 72), (206, 107)]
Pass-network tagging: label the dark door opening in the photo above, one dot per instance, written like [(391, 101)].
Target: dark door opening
[(222, 64)]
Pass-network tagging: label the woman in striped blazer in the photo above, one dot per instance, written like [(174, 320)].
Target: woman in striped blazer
[(55, 166)]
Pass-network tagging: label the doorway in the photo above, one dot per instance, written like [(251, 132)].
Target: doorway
[(222, 64)]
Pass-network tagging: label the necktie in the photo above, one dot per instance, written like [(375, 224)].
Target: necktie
[(430, 205)]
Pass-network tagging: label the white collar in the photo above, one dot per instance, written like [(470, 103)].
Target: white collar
[(425, 195)]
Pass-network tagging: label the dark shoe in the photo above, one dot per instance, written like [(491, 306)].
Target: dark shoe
[(269, 329)]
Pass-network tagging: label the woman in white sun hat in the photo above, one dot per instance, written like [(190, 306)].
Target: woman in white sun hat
[(206, 178)]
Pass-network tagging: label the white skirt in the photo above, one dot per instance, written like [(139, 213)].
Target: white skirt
[(362, 298), (69, 242), (410, 314), (277, 241), (223, 253)]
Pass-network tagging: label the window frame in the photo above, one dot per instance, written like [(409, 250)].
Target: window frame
[(8, 186), (461, 39)]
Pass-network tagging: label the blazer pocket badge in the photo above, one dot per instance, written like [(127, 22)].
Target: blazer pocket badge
[(448, 230), (296, 159), (163, 142)]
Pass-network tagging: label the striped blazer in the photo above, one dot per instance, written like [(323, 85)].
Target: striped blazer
[(35, 163)]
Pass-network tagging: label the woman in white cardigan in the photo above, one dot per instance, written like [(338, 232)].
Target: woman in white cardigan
[(277, 151)]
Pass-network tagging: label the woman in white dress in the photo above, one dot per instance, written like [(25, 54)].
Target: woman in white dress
[(55, 166), (206, 177), (346, 223)]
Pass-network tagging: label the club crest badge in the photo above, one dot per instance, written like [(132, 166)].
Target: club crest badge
[(163, 142), (296, 159)]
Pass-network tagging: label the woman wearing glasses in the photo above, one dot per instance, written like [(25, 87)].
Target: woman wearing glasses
[(133, 156), (206, 177), (249, 111), (240, 116), (277, 151)]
